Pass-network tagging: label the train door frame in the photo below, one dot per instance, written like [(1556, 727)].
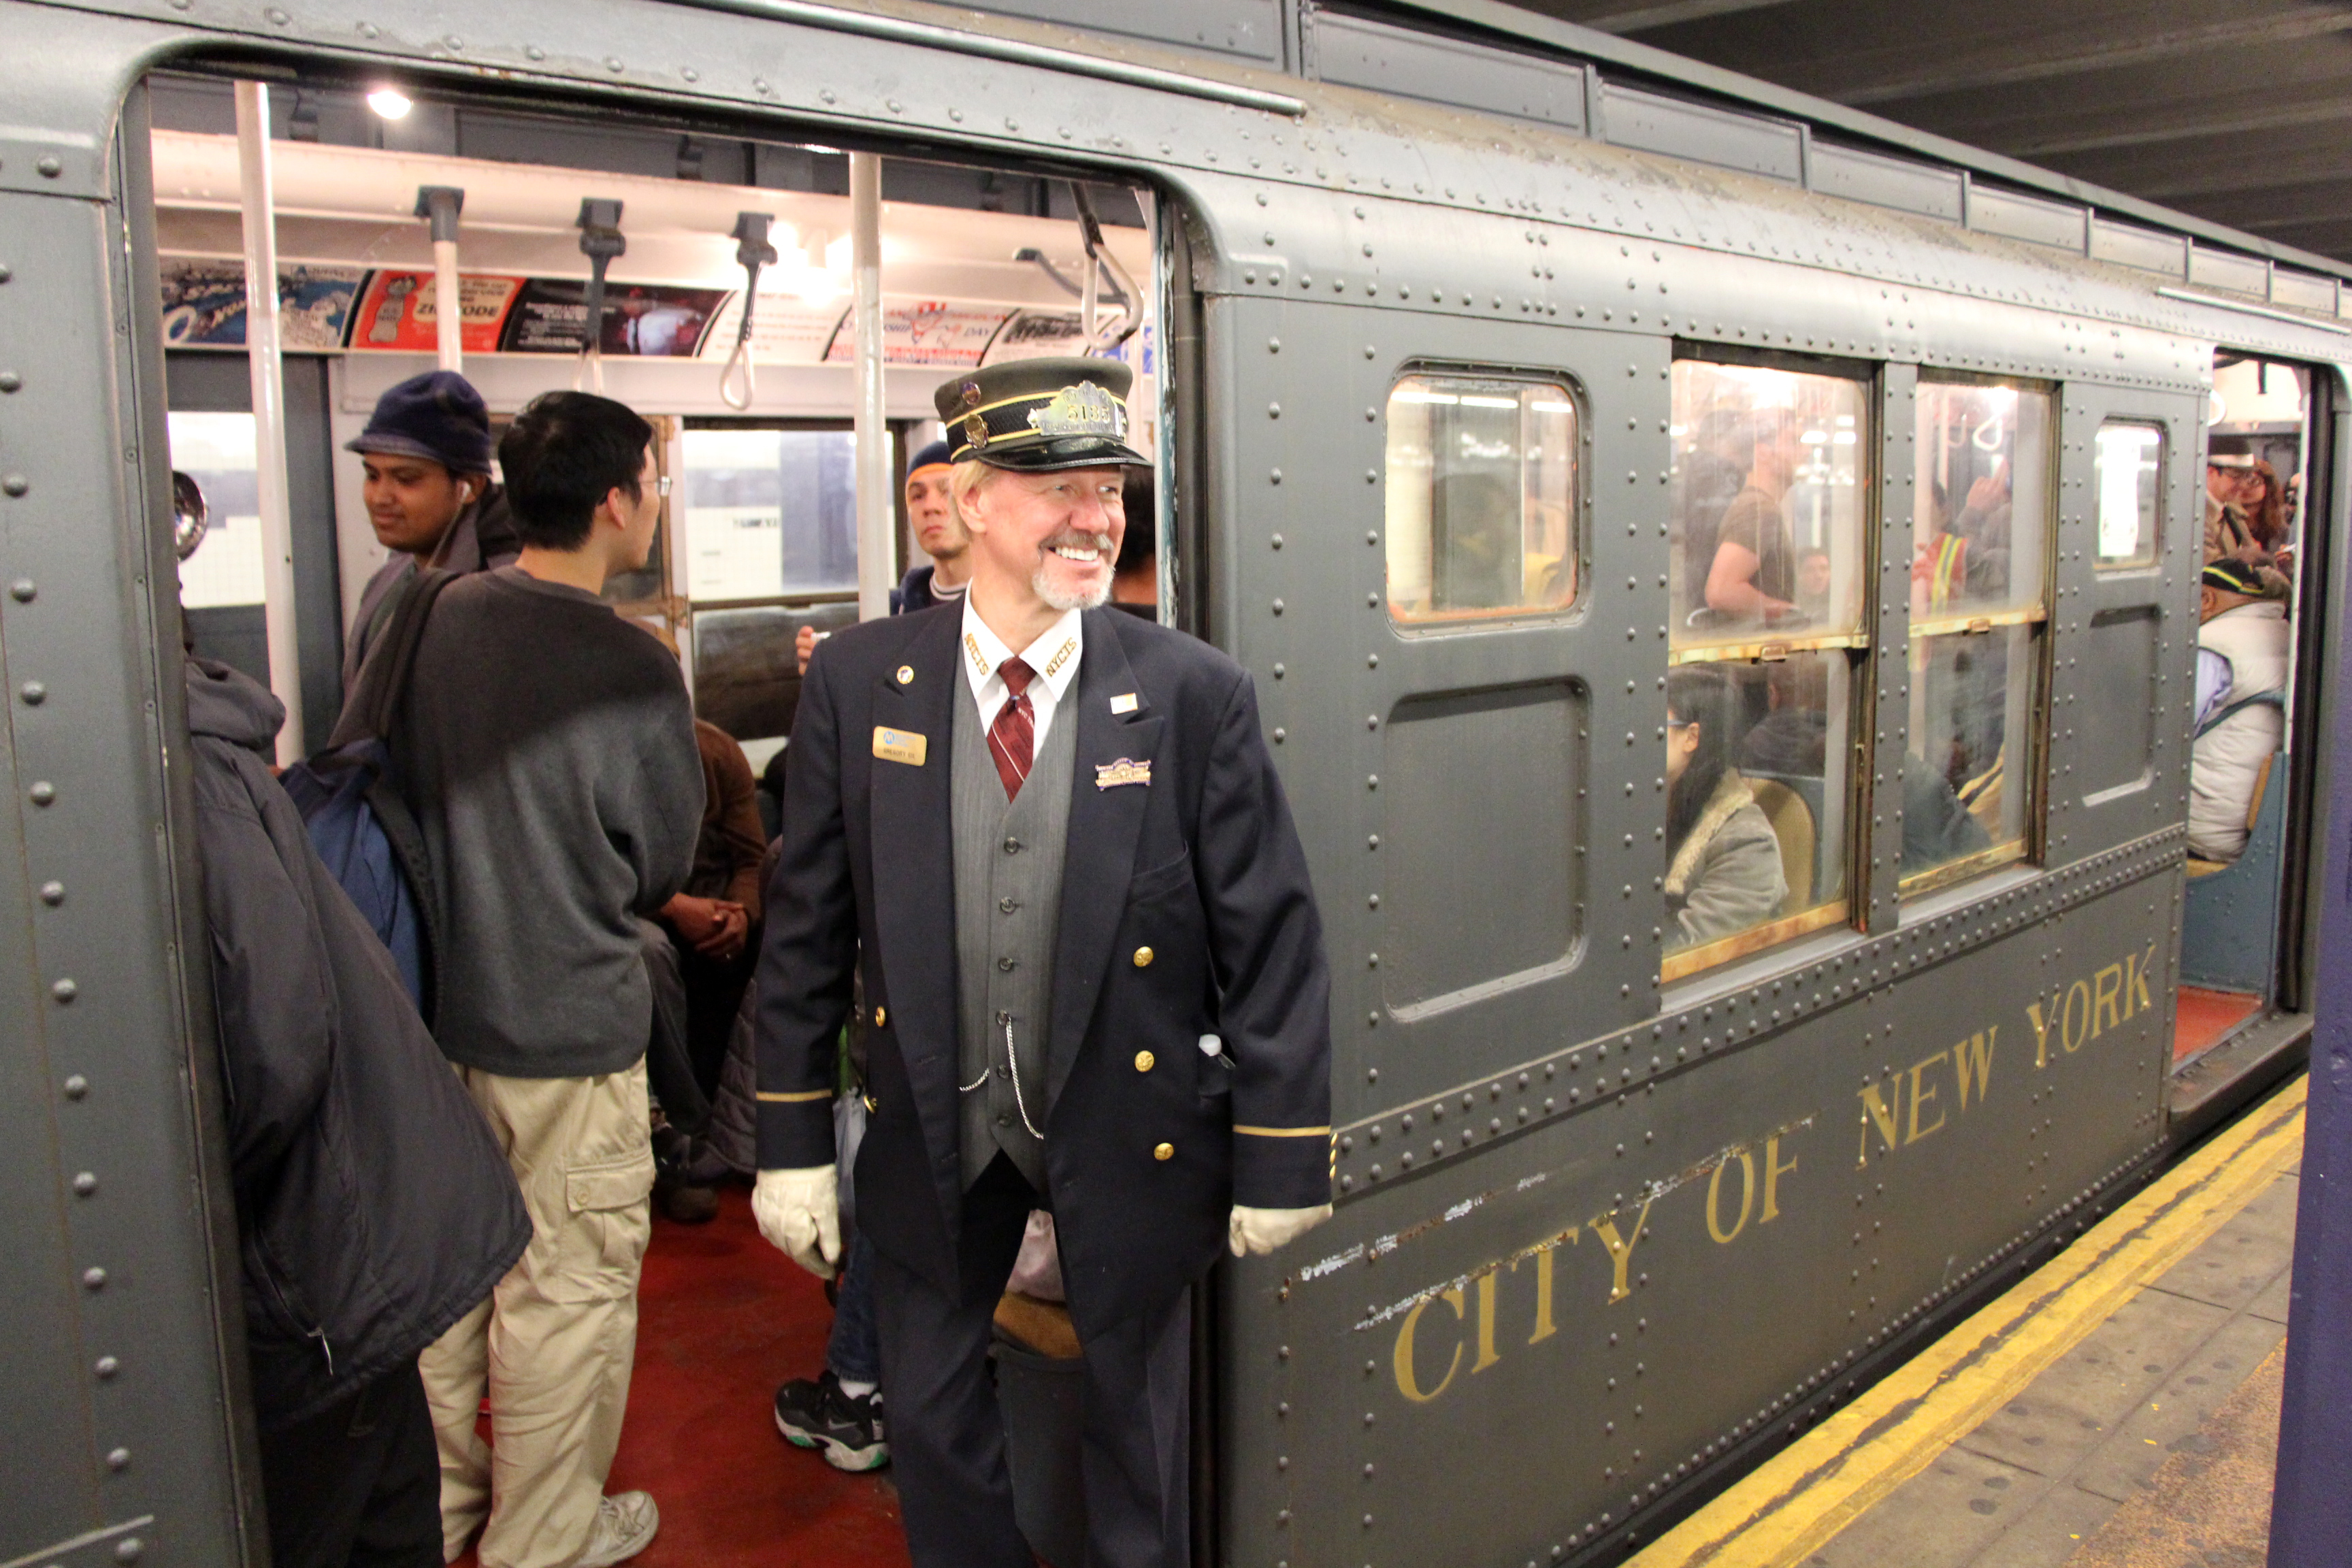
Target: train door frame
[(2324, 577), (2277, 1033), (132, 1351)]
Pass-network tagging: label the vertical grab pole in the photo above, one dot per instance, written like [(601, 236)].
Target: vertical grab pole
[(878, 516), (266, 363), (441, 204)]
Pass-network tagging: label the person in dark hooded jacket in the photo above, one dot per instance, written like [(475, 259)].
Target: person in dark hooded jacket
[(373, 1209)]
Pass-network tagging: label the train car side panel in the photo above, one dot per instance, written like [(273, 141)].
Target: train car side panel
[(1734, 1213)]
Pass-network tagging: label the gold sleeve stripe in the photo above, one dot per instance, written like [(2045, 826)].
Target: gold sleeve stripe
[(799, 1098), (1283, 1131)]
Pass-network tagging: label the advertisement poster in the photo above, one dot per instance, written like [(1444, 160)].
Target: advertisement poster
[(785, 329), (926, 331), (1038, 334), (401, 312), (204, 304), (649, 320)]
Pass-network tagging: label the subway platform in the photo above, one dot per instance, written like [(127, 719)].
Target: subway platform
[(2118, 1408)]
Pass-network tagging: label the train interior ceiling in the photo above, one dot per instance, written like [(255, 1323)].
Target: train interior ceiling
[(759, 536)]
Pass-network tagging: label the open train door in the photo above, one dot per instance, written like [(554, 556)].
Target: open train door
[(2248, 941)]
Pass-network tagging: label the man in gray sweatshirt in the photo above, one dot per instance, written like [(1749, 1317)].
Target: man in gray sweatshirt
[(547, 749)]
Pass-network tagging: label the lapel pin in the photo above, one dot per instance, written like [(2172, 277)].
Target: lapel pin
[(1124, 703), (906, 674), (1126, 771)]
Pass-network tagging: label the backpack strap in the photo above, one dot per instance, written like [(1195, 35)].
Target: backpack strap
[(383, 675), (2230, 710)]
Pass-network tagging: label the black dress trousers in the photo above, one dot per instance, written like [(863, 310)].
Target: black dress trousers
[(947, 1435), (359, 1484)]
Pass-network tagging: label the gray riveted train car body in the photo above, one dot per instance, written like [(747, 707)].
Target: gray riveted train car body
[(1596, 1239)]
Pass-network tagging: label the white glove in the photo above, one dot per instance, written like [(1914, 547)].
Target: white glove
[(800, 1214), (1260, 1230)]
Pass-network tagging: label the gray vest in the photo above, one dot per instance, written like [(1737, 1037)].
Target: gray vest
[(1008, 893)]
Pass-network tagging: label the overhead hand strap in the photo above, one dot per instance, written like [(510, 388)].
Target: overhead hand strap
[(1100, 261), (753, 251), (600, 242)]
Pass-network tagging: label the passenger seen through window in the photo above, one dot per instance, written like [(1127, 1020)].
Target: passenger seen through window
[(1981, 501), (1722, 859), (1767, 572)]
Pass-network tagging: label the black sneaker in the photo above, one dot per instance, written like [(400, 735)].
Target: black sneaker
[(819, 1414)]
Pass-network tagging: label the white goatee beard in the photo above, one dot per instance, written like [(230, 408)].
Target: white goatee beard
[(1062, 599)]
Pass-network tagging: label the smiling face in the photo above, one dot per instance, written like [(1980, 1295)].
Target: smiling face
[(411, 501), (1052, 539)]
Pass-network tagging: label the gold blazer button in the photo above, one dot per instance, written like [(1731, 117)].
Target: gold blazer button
[(1142, 958), (906, 674), (1164, 1151), (1143, 1060), (881, 1016)]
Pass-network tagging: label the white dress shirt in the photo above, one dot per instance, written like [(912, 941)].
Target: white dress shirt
[(1052, 659)]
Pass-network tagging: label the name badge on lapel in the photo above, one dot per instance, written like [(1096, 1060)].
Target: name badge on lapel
[(900, 745), (1126, 771)]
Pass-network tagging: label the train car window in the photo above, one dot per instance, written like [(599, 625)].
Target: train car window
[(770, 511), (217, 451), (1767, 574), (1980, 570), (1482, 497), (2129, 464), (1766, 517)]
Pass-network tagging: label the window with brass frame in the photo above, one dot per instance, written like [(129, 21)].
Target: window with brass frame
[(1485, 492), (1982, 504), (1768, 574)]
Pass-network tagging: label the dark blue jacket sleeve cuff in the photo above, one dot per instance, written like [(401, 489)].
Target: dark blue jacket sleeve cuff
[(1282, 1170), (795, 1131)]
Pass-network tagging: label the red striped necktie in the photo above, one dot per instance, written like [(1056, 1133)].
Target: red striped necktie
[(1013, 734)]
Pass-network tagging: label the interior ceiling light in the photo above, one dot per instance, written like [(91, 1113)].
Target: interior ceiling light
[(390, 102)]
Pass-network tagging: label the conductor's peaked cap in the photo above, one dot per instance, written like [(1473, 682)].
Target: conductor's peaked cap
[(1041, 414)]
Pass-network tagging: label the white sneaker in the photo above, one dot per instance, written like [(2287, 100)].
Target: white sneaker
[(624, 1526)]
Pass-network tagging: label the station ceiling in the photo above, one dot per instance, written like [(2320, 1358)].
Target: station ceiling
[(2239, 114)]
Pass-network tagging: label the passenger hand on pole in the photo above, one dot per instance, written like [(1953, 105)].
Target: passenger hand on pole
[(1260, 1231), (799, 1212)]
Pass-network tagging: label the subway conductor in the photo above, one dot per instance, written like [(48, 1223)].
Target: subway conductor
[(1094, 976)]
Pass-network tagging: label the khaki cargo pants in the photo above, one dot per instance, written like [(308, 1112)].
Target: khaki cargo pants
[(554, 1343)]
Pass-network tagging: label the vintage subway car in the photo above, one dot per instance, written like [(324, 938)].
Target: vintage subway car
[(1537, 425)]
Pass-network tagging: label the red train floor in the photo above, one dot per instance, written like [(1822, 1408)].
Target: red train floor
[(2206, 1016), (722, 1319)]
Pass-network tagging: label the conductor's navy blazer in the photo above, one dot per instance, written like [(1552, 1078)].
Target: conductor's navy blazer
[(1201, 865)]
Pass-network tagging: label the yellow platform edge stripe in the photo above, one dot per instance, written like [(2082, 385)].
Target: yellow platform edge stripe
[(1794, 1504)]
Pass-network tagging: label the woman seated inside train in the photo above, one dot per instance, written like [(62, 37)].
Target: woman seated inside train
[(1754, 574), (1723, 862)]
